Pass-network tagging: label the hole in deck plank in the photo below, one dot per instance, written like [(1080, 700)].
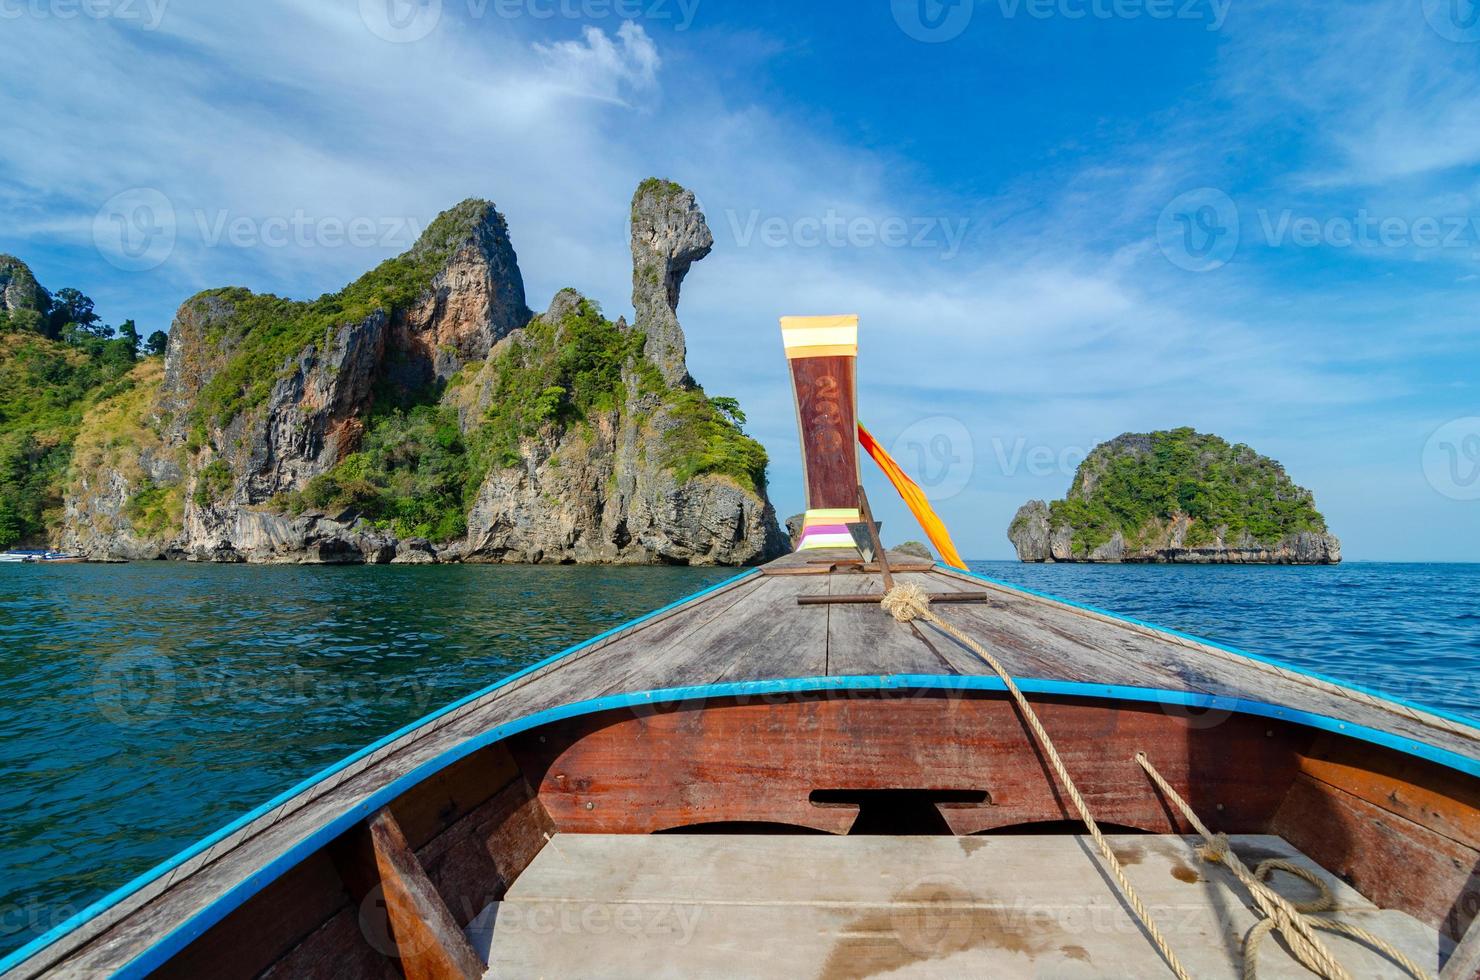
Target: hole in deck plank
[(899, 812)]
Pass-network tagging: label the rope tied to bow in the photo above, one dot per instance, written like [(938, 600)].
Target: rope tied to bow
[(907, 602)]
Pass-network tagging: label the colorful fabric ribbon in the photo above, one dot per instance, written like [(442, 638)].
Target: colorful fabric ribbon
[(914, 499)]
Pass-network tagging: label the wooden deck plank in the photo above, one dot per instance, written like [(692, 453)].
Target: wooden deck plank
[(1025, 637), (863, 639), (750, 641), (828, 907), (708, 868), (621, 669)]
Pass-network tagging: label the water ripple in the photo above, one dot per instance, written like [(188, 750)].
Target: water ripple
[(146, 705)]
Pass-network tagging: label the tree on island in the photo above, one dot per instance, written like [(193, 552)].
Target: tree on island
[(127, 331)]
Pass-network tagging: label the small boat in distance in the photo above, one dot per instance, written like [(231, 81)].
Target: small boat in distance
[(846, 763), (41, 556)]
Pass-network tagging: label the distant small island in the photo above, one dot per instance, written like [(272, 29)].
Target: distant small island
[(1176, 496)]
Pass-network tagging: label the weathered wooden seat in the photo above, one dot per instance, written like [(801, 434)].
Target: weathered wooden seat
[(722, 906)]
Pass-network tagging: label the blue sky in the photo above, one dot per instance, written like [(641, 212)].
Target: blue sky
[(1059, 219)]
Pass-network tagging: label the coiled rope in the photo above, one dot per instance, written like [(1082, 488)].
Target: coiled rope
[(1289, 918), (908, 601)]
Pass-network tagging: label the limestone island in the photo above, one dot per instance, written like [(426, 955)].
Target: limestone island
[(1176, 496), (423, 413)]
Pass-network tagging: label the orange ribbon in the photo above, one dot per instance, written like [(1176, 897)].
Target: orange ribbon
[(914, 499)]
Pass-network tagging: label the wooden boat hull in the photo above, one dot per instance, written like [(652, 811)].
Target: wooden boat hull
[(737, 765), (748, 713)]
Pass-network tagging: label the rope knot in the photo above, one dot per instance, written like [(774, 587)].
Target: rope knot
[(906, 601), (1214, 849)]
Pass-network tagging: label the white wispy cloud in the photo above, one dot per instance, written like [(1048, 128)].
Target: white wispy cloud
[(1375, 82), (599, 67)]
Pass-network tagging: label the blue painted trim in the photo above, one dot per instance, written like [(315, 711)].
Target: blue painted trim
[(176, 940), (1271, 661), (124, 891)]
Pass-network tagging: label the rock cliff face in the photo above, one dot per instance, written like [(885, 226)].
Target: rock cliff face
[(592, 496), (669, 234), (19, 289), (1176, 496), (283, 431), (475, 299)]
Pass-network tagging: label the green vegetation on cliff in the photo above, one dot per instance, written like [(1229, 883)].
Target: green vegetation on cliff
[(417, 473), (657, 187), (708, 440), (562, 372), (557, 373), (1138, 482), (265, 331), (56, 360), (571, 392), (115, 434), (414, 475)]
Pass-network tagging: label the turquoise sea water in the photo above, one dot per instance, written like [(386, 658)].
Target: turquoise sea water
[(142, 706)]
